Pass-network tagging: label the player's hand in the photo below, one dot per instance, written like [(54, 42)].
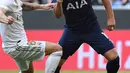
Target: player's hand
[(10, 19), (7, 20), (48, 6), (111, 24)]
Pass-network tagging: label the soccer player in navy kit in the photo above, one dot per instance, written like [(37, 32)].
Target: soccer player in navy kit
[(82, 27)]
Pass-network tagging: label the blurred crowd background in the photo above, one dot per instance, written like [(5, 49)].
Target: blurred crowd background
[(115, 3)]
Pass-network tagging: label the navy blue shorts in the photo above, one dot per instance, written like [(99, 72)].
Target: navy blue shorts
[(71, 41)]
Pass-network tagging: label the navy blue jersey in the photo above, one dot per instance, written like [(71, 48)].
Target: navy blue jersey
[(79, 14)]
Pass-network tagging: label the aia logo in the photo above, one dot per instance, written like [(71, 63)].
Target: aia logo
[(76, 5)]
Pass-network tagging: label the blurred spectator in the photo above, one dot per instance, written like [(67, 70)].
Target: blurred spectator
[(97, 2), (53, 1), (114, 2), (39, 1), (117, 3), (120, 2), (94, 2), (125, 2)]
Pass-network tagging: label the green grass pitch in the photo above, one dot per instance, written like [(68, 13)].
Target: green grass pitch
[(10, 71)]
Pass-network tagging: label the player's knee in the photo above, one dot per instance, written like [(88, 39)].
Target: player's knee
[(52, 47), (58, 47), (113, 65), (111, 54), (57, 53), (115, 61)]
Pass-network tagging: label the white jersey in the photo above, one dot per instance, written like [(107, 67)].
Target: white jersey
[(11, 34), (14, 40)]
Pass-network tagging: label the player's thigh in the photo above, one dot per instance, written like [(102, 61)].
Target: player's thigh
[(111, 54), (70, 42), (34, 50), (102, 44), (52, 47)]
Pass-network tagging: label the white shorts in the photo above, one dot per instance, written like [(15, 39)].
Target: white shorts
[(25, 53)]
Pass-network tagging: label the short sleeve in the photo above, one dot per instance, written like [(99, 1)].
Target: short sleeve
[(4, 4), (21, 2)]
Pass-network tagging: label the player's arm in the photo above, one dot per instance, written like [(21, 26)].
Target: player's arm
[(5, 19), (32, 6), (110, 14), (58, 9)]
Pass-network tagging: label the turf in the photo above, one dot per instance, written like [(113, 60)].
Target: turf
[(66, 71)]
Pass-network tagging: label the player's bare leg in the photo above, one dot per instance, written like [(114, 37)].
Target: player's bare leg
[(112, 65), (52, 47), (111, 54), (113, 61), (55, 52)]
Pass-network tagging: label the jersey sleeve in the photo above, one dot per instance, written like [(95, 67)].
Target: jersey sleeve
[(5, 4)]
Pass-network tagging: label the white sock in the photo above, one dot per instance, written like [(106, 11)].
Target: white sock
[(53, 61)]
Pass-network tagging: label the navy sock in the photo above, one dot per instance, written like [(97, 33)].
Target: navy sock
[(58, 69), (113, 66)]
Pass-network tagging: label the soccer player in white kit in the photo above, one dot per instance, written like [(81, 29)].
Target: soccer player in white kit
[(14, 39)]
